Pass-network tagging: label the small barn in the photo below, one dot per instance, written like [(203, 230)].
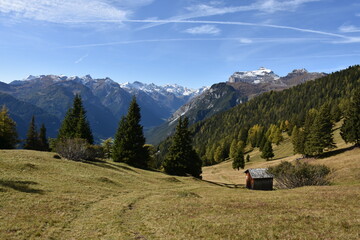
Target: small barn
[(259, 179)]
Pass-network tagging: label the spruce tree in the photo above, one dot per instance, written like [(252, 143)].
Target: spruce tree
[(350, 130), (75, 124), (267, 152), (8, 134), (238, 160), (321, 133), (298, 140), (182, 159), (43, 142), (129, 139), (32, 140)]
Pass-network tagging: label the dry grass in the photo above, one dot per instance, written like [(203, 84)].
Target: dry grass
[(46, 198)]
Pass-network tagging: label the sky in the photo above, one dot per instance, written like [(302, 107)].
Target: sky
[(193, 43)]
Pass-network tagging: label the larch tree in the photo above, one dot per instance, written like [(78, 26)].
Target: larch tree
[(182, 159), (8, 133), (129, 139), (350, 130)]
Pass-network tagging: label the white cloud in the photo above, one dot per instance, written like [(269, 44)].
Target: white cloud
[(272, 6), (214, 8), (204, 29), (349, 29), (60, 11), (81, 59), (245, 40)]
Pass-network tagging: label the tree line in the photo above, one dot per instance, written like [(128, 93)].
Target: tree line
[(75, 141)]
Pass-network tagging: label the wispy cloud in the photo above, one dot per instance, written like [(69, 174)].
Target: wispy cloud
[(207, 10), (81, 59), (62, 11), (204, 29), (345, 39), (240, 40), (349, 29), (242, 24)]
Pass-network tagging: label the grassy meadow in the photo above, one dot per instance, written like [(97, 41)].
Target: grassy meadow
[(46, 198)]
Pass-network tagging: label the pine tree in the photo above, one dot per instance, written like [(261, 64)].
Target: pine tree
[(321, 133), (298, 140), (182, 159), (267, 152), (129, 139), (238, 160), (75, 124), (43, 142), (32, 140), (350, 130), (233, 148), (8, 134), (308, 126), (248, 158)]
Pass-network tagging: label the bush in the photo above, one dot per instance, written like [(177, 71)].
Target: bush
[(78, 149), (289, 175)]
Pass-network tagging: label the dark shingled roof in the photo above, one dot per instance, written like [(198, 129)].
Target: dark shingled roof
[(259, 173)]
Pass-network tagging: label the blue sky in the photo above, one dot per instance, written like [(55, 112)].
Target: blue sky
[(190, 42)]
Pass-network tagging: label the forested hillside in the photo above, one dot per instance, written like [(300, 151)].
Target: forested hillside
[(290, 105)]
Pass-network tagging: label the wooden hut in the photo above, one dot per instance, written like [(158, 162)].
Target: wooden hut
[(259, 179)]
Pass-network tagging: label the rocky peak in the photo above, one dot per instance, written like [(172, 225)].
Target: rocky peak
[(262, 75)]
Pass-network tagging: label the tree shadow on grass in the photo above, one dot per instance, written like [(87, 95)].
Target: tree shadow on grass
[(108, 165), (21, 186), (228, 185), (336, 152)]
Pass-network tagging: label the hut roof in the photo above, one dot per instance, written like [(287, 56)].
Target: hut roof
[(259, 173)]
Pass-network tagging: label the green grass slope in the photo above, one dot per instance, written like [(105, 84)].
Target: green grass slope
[(46, 198)]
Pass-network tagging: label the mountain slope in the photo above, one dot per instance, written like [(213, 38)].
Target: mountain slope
[(241, 87), (105, 100), (22, 112), (271, 107)]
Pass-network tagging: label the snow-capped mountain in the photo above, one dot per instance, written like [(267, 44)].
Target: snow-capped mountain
[(262, 75), (105, 100), (170, 88)]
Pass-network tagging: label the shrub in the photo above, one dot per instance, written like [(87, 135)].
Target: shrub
[(289, 175), (78, 149)]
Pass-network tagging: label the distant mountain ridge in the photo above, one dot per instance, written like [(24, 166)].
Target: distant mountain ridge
[(220, 97), (104, 99)]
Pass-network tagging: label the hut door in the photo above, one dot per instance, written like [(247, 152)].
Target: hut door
[(248, 181)]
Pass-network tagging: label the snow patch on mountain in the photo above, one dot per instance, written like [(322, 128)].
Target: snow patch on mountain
[(262, 75)]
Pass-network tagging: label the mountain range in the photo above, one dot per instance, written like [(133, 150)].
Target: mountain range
[(241, 87), (49, 96)]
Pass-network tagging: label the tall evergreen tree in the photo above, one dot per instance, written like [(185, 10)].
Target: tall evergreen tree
[(182, 159), (238, 160), (298, 140), (321, 133), (43, 142), (267, 152), (8, 134), (75, 124), (350, 130), (129, 139), (32, 139)]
